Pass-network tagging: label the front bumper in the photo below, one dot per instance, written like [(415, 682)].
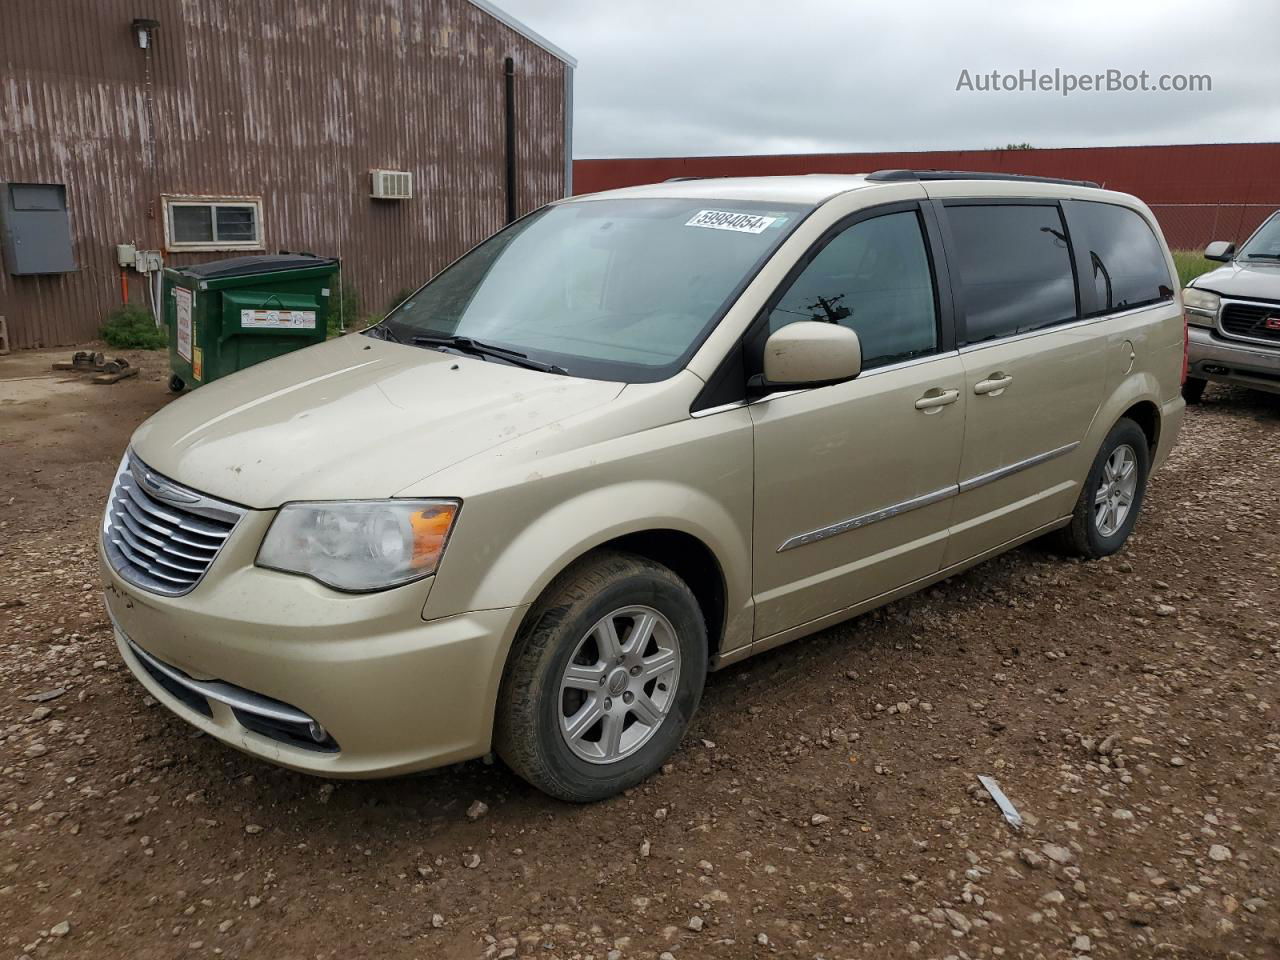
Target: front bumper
[(253, 657), (1211, 356)]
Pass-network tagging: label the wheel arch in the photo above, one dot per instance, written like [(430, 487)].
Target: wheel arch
[(686, 555), (690, 559), (1134, 398), (1146, 414)]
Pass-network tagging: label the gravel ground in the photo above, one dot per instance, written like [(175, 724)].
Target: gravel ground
[(825, 804)]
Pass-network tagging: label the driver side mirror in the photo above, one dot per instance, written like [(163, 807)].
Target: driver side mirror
[(810, 353), (1219, 250)]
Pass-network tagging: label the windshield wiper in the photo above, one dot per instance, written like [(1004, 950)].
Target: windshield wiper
[(468, 345), (382, 332), (1262, 256)]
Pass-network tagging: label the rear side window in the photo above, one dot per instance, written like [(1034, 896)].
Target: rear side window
[(1125, 260), (1013, 268), (874, 278)]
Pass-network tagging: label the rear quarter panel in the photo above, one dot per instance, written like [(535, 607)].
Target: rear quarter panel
[(1146, 349)]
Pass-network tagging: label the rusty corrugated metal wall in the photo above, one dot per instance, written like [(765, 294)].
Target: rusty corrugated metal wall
[(290, 101), (1197, 191)]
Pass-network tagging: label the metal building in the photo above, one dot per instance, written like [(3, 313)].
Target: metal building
[(198, 129), (1199, 192)]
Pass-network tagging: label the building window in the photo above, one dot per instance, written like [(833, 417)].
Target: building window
[(222, 223)]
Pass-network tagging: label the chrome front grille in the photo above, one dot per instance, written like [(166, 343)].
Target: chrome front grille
[(160, 535), (1251, 321)]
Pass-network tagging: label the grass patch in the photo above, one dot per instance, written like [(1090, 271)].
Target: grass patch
[(344, 305), (133, 328), (347, 307), (1191, 264)]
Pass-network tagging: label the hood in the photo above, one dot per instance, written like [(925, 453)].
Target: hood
[(1259, 280), (354, 418)]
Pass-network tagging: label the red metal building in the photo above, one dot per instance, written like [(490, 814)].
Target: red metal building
[(1200, 192)]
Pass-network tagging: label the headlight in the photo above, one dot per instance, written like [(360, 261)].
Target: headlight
[(1201, 306), (359, 545)]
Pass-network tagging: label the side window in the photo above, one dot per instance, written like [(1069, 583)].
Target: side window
[(1126, 261), (1013, 268), (875, 279)]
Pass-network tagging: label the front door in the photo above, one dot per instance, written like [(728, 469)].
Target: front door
[(855, 481)]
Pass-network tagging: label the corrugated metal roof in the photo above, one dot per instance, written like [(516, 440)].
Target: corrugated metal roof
[(528, 33)]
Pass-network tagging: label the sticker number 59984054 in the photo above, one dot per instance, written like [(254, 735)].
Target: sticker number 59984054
[(729, 220)]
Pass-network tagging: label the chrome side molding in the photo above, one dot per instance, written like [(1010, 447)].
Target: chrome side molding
[(865, 519), (924, 500), (1001, 472)]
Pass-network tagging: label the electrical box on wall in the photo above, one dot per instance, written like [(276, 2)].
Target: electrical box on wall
[(35, 228)]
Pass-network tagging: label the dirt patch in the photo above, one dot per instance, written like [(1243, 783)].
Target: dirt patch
[(824, 805)]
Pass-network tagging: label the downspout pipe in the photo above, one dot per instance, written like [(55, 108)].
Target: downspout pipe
[(509, 108)]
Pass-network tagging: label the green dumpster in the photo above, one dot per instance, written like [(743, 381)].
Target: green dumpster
[(226, 315)]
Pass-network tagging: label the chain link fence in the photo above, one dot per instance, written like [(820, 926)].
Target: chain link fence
[(1191, 226)]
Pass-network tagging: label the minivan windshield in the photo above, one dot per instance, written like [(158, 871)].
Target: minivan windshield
[(614, 289), (1265, 244)]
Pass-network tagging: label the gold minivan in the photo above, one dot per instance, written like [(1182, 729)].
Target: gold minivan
[(633, 437)]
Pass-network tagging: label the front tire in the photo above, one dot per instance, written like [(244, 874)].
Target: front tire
[(604, 678), (1112, 495), (1193, 390)]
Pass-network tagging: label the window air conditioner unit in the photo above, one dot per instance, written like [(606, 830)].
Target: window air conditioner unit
[(391, 184)]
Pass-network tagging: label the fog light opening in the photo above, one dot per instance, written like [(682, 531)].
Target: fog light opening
[(318, 733)]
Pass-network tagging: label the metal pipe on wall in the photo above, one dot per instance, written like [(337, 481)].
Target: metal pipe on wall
[(509, 108)]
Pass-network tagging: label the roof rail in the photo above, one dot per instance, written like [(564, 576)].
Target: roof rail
[(681, 179), (896, 175)]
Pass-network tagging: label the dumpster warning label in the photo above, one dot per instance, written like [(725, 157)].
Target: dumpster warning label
[(278, 319), (182, 299)]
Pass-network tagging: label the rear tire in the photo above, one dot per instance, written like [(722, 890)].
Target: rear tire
[(604, 678), (1111, 497), (1193, 389)]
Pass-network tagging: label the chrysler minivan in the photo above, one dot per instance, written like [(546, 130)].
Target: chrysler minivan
[(631, 438)]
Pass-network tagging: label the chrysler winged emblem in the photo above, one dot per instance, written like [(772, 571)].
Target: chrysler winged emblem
[(161, 488)]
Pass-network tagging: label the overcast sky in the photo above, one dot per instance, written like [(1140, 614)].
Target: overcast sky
[(705, 77)]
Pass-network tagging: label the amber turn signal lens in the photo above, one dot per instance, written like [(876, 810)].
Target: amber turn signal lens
[(430, 530)]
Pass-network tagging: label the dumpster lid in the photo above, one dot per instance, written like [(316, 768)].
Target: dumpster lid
[(245, 266)]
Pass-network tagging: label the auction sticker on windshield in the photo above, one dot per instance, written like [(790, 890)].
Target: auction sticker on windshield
[(728, 220)]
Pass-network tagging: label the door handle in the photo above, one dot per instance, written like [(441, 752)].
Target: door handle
[(993, 385), (936, 398)]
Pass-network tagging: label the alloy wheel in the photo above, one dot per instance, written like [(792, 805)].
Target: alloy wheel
[(619, 685), (1119, 484)]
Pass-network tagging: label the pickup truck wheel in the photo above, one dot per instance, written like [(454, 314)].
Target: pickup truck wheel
[(1193, 389), (604, 679), (1112, 494)]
